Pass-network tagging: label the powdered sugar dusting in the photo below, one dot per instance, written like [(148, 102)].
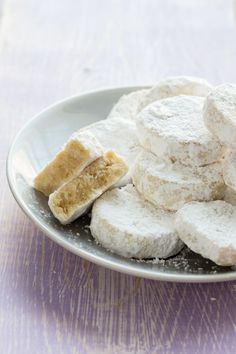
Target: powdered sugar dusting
[(209, 229), (124, 222)]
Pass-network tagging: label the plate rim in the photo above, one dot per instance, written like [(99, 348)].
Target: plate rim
[(113, 265)]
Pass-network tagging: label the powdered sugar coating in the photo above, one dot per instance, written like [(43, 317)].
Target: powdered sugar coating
[(89, 142), (220, 113), (175, 86), (210, 230), (229, 169), (170, 185), (128, 106), (119, 135), (123, 222), (173, 128)]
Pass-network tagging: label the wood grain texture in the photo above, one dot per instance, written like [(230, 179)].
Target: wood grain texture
[(50, 300)]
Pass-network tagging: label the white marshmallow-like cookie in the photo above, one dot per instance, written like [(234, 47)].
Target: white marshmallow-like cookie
[(220, 113), (80, 150), (210, 230), (123, 222), (175, 86), (173, 128), (170, 185), (230, 196), (128, 106), (74, 198), (119, 135), (229, 169)]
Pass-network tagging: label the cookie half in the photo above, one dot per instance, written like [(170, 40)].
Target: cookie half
[(74, 198), (80, 150)]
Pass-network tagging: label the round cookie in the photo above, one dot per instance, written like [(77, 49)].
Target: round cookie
[(124, 223), (173, 129), (229, 169), (128, 106), (119, 135), (175, 86), (220, 113), (170, 185), (209, 229)]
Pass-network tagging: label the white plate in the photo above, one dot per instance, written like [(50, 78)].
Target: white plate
[(37, 142)]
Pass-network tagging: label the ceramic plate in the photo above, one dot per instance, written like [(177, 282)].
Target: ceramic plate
[(38, 142)]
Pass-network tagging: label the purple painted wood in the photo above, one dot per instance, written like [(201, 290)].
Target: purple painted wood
[(50, 300)]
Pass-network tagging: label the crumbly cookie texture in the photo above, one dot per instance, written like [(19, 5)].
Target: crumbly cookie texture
[(220, 113), (77, 153), (119, 135), (173, 129), (123, 222), (175, 86), (128, 106), (229, 169), (209, 229), (170, 185), (74, 198), (230, 196)]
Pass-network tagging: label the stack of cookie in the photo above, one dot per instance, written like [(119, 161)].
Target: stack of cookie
[(210, 228), (180, 159), (220, 116), (179, 170), (178, 140)]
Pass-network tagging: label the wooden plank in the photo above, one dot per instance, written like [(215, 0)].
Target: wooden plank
[(50, 300)]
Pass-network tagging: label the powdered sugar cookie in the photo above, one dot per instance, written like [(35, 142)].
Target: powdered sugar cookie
[(171, 185), (220, 113), (173, 128), (175, 86), (119, 135), (123, 222), (210, 230)]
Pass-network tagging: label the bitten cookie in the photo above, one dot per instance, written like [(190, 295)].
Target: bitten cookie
[(209, 229), (74, 198), (173, 129), (81, 149), (171, 185), (123, 222), (220, 113)]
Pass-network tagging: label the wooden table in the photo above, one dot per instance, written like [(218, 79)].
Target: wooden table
[(50, 300)]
